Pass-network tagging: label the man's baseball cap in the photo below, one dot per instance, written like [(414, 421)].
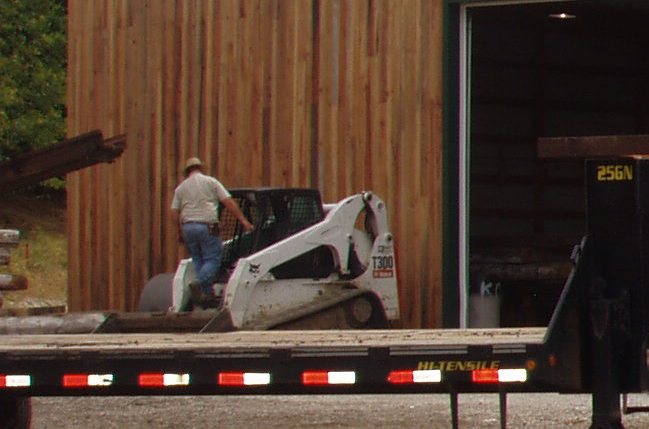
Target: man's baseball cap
[(192, 162)]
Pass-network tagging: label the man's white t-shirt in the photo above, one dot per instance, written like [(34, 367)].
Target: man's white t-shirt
[(197, 198)]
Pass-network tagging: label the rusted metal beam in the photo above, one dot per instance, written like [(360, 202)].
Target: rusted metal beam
[(547, 272), (593, 146), (59, 159)]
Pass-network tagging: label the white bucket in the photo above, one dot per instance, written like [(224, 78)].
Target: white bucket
[(484, 311)]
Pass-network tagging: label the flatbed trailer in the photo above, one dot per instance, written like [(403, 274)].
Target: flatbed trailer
[(373, 361), (595, 342), (275, 362)]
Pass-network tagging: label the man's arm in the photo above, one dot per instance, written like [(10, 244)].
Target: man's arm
[(233, 207)]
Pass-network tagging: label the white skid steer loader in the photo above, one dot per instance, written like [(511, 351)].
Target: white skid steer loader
[(305, 266)]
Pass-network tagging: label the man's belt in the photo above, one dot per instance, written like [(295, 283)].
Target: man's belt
[(212, 226)]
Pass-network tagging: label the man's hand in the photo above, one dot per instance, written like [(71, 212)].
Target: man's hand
[(234, 208), (247, 226)]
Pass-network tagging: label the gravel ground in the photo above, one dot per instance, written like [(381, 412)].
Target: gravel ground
[(530, 411)]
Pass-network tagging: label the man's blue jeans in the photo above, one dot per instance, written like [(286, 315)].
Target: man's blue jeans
[(206, 251)]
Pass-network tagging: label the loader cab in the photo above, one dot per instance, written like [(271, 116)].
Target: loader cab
[(276, 213)]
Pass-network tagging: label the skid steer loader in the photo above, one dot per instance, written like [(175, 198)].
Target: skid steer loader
[(306, 265)]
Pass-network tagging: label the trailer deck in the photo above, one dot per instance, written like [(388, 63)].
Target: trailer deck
[(272, 362), (411, 339)]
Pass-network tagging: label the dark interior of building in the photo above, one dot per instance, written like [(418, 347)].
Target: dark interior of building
[(544, 70)]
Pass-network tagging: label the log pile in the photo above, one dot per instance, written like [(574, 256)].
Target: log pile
[(537, 263), (9, 239)]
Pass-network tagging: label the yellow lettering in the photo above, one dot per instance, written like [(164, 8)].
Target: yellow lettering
[(618, 172), (458, 365)]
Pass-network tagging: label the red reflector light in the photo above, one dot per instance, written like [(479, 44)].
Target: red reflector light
[(243, 378), (75, 380), (231, 379), (163, 380), (514, 375), (415, 376), (323, 378), (315, 378), (151, 380), (485, 376), (87, 380), (401, 377)]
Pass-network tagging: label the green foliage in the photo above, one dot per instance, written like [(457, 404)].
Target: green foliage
[(32, 74)]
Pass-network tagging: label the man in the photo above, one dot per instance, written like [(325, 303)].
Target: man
[(194, 210)]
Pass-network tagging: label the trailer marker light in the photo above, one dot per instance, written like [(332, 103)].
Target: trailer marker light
[(486, 376), (15, 381), (163, 380), (87, 380), (512, 375), (323, 378), (415, 376), (243, 378)]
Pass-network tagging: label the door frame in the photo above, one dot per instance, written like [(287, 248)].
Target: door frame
[(456, 154)]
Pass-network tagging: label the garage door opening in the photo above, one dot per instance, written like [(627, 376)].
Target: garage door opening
[(556, 69)]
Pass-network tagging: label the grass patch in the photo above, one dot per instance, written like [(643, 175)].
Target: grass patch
[(42, 253)]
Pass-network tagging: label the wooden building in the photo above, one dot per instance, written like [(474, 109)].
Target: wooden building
[(343, 96), (435, 105)]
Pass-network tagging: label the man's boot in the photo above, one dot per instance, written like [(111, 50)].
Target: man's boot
[(198, 296)]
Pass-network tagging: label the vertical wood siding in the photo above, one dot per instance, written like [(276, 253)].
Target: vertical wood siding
[(339, 95)]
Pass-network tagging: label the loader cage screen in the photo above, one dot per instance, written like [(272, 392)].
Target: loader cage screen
[(276, 215)]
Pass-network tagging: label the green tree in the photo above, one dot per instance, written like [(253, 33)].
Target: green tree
[(32, 74)]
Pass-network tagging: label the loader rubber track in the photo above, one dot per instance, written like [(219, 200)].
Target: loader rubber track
[(345, 309)]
